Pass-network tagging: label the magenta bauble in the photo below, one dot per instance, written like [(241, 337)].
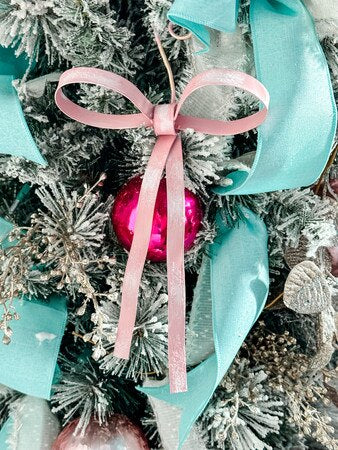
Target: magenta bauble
[(334, 185), (118, 433), (334, 260), (123, 217)]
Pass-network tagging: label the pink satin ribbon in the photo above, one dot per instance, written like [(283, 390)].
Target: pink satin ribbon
[(166, 121)]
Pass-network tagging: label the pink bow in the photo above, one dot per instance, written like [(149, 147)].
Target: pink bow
[(166, 121)]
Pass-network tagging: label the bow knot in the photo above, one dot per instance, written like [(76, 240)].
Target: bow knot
[(164, 119), (166, 155)]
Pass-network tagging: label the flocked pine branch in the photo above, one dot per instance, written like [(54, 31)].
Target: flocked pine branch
[(243, 411), (58, 251), (149, 343), (29, 25), (295, 213), (70, 150), (94, 37), (268, 391), (7, 398), (83, 32), (85, 392)]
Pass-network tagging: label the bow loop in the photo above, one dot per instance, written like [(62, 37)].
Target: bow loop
[(113, 82), (164, 119), (228, 78)]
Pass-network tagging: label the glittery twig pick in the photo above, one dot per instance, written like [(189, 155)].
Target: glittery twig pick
[(275, 300)]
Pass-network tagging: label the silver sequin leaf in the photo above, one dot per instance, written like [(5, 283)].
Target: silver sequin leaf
[(325, 336), (306, 290), (296, 255)]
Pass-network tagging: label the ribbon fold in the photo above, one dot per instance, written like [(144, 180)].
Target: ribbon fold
[(166, 121), (196, 15), (15, 137)]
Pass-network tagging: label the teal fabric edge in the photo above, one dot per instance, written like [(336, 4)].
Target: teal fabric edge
[(239, 178), (37, 157), (5, 229), (183, 14), (54, 303), (334, 106), (57, 303), (12, 64), (5, 432), (13, 67)]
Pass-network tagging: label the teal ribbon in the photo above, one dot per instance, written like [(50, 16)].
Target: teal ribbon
[(196, 15), (30, 426), (294, 144), (5, 228), (28, 363), (239, 280), (15, 137), (5, 433)]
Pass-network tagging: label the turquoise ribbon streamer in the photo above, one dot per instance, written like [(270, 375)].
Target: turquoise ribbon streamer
[(239, 274), (15, 137), (28, 363), (294, 142), (196, 15)]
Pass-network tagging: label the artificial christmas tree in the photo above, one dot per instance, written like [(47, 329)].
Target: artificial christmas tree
[(260, 280)]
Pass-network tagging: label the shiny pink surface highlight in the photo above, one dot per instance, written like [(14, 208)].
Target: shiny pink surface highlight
[(123, 217)]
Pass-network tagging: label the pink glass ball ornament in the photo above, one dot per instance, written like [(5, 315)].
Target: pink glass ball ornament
[(123, 217), (119, 433), (334, 185), (334, 260)]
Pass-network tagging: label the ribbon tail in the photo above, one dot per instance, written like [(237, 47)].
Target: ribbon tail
[(239, 278), (32, 354), (175, 263), (139, 247), (168, 420)]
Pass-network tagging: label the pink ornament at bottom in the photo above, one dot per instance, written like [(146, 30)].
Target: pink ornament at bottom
[(334, 185), (118, 434), (334, 260), (123, 218)]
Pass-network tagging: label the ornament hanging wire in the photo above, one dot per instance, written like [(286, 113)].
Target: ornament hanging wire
[(178, 36), (167, 66)]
